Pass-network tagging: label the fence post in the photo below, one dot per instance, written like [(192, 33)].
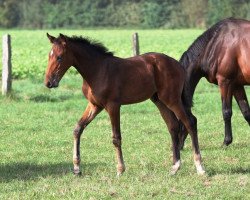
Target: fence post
[(6, 70), (135, 44)]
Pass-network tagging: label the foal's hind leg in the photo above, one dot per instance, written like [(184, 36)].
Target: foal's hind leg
[(88, 115), (173, 127), (113, 110), (178, 109), (241, 98), (182, 135), (192, 129)]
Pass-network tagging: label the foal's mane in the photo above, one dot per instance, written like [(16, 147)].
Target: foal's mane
[(199, 45), (94, 45)]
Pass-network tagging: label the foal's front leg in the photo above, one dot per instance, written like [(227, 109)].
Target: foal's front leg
[(114, 114), (89, 114)]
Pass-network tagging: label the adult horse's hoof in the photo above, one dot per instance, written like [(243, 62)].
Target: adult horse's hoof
[(227, 142)]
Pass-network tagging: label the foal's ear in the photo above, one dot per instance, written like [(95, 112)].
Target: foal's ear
[(63, 39), (51, 38)]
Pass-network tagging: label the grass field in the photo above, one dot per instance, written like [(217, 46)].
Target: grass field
[(37, 125)]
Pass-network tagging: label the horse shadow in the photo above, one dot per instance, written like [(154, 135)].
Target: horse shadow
[(236, 170), (29, 171), (48, 98), (228, 168)]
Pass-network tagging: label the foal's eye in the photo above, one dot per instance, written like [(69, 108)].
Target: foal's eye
[(59, 58)]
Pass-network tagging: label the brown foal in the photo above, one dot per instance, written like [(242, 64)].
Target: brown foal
[(110, 82)]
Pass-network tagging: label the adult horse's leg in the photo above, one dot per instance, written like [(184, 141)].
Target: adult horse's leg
[(89, 114), (113, 110), (241, 98), (173, 127), (226, 98), (179, 111)]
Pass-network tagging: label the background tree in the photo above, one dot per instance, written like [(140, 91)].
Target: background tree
[(9, 13), (119, 13)]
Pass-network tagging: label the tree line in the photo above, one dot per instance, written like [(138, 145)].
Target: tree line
[(39, 14)]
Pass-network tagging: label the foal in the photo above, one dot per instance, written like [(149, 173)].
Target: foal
[(110, 82)]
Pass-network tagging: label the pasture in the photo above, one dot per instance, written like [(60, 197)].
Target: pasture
[(37, 126)]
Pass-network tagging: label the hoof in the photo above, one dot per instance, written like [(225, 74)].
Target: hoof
[(77, 173), (175, 168), (119, 174), (120, 170), (173, 172), (201, 172), (227, 142)]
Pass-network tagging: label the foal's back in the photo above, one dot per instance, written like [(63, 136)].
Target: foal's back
[(138, 78)]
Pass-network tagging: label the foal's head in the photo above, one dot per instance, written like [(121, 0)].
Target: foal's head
[(59, 61)]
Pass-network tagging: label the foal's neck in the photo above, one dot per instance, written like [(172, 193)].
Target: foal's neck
[(88, 63)]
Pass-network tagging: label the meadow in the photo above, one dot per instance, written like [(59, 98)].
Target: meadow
[(37, 126)]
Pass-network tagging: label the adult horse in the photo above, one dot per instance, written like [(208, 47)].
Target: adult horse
[(110, 82), (221, 55)]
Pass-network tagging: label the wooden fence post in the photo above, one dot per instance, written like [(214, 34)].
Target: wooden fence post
[(135, 44), (6, 70)]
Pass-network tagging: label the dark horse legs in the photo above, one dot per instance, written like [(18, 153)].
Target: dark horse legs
[(173, 127), (226, 97), (192, 130), (241, 98), (89, 114), (180, 113), (182, 135), (239, 93)]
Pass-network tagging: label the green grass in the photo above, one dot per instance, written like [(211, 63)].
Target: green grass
[(37, 136)]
